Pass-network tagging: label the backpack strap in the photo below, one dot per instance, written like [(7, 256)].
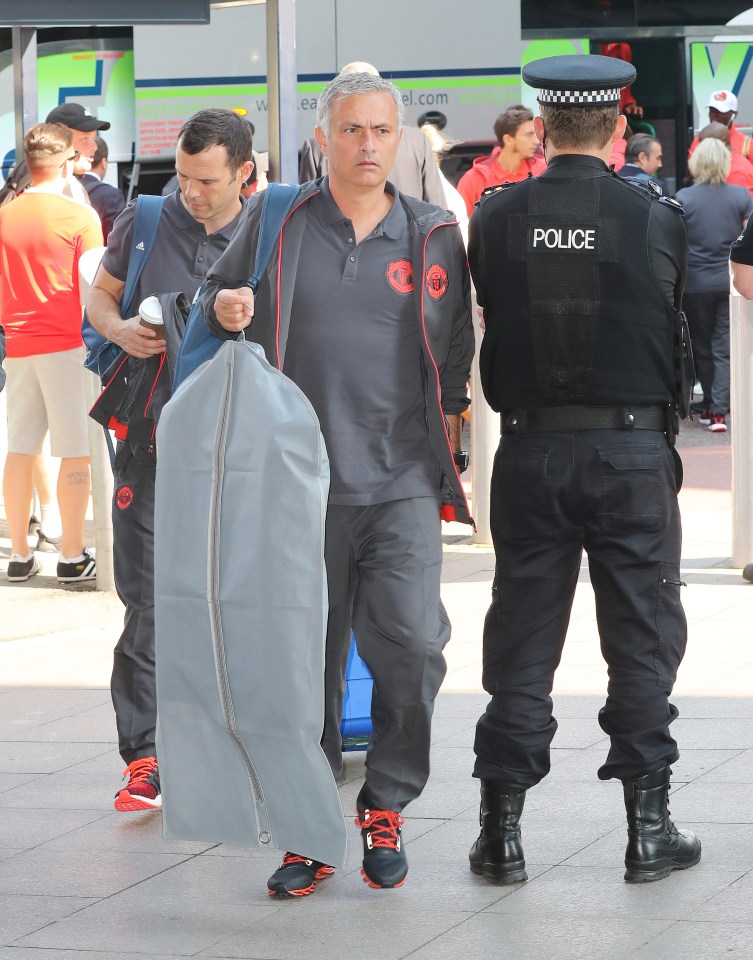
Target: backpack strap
[(145, 226), (198, 344), (278, 199), (93, 187), (101, 353)]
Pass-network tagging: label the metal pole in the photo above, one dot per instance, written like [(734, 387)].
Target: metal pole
[(741, 376), (24, 83), (484, 440), (282, 91)]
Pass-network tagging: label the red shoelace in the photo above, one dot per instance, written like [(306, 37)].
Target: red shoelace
[(383, 825), (140, 770), (323, 869)]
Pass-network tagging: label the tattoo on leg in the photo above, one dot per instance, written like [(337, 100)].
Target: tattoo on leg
[(78, 477)]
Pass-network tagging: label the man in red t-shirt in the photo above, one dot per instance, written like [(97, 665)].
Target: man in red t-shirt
[(511, 161), (42, 236)]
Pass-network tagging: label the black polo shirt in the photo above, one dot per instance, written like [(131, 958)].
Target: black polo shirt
[(354, 350), (183, 251)]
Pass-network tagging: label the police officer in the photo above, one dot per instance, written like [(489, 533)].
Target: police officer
[(580, 276)]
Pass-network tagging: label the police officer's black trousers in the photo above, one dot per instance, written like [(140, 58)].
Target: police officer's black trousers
[(133, 685), (613, 493)]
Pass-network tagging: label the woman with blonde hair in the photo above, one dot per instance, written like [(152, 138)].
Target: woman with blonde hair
[(440, 145), (715, 214)]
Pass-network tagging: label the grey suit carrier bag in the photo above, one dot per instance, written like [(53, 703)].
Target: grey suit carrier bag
[(241, 609)]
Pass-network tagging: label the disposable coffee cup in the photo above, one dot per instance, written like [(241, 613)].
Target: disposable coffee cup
[(150, 312)]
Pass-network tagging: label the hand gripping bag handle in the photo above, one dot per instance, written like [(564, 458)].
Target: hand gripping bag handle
[(198, 344)]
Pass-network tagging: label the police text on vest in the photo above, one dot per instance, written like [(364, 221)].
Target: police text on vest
[(559, 238)]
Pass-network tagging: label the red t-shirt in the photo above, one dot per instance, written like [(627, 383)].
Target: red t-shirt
[(42, 236), (486, 172), (740, 172)]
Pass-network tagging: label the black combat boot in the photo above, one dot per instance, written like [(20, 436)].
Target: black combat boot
[(498, 853), (655, 846)]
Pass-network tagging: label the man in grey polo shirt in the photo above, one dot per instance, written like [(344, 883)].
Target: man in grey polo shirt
[(368, 311), (415, 172), (197, 221)]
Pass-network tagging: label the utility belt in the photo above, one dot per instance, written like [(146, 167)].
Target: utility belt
[(572, 418)]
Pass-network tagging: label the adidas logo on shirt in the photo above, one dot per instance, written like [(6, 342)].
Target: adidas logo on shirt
[(140, 245)]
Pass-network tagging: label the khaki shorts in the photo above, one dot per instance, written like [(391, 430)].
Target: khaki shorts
[(48, 392)]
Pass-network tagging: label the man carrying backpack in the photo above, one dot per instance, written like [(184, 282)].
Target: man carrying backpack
[(366, 308), (195, 226)]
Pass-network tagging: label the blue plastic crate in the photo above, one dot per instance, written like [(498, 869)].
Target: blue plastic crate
[(355, 727)]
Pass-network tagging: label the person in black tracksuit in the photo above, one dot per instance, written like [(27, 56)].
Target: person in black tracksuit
[(580, 277), (195, 227), (366, 308)]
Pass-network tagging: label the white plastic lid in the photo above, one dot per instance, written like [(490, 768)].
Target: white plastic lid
[(151, 310)]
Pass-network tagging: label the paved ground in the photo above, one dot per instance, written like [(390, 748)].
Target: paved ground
[(80, 882)]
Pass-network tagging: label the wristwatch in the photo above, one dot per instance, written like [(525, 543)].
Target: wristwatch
[(462, 459)]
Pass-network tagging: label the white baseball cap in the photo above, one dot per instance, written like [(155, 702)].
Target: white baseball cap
[(723, 100)]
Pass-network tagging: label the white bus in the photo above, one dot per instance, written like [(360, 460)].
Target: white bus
[(461, 59)]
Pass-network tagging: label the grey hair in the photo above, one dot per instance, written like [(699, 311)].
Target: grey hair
[(350, 84), (360, 66), (710, 162)]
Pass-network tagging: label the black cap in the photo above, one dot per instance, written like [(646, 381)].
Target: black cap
[(579, 79), (435, 117), (76, 117)]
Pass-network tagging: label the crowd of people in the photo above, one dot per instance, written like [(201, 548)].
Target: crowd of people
[(366, 307)]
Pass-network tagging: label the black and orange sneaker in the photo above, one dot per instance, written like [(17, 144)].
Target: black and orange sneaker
[(296, 876), (384, 861), (140, 790)]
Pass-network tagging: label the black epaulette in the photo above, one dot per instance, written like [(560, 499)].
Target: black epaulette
[(650, 186), (673, 205), (655, 192), (497, 188), (487, 191)]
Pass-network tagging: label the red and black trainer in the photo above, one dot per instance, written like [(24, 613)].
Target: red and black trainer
[(296, 876), (140, 790), (384, 861)]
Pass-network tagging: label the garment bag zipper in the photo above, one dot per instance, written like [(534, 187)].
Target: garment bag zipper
[(213, 599)]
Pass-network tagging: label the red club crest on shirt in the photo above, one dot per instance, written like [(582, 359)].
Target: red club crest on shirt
[(400, 275), (124, 497), (436, 281)]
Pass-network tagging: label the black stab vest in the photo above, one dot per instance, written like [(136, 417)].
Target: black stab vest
[(574, 314)]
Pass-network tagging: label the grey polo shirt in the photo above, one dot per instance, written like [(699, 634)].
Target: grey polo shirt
[(183, 251), (354, 350)]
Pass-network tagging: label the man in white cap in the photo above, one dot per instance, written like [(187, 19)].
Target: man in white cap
[(722, 107)]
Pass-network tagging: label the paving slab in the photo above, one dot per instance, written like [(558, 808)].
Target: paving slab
[(78, 880), (532, 937), (21, 915)]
